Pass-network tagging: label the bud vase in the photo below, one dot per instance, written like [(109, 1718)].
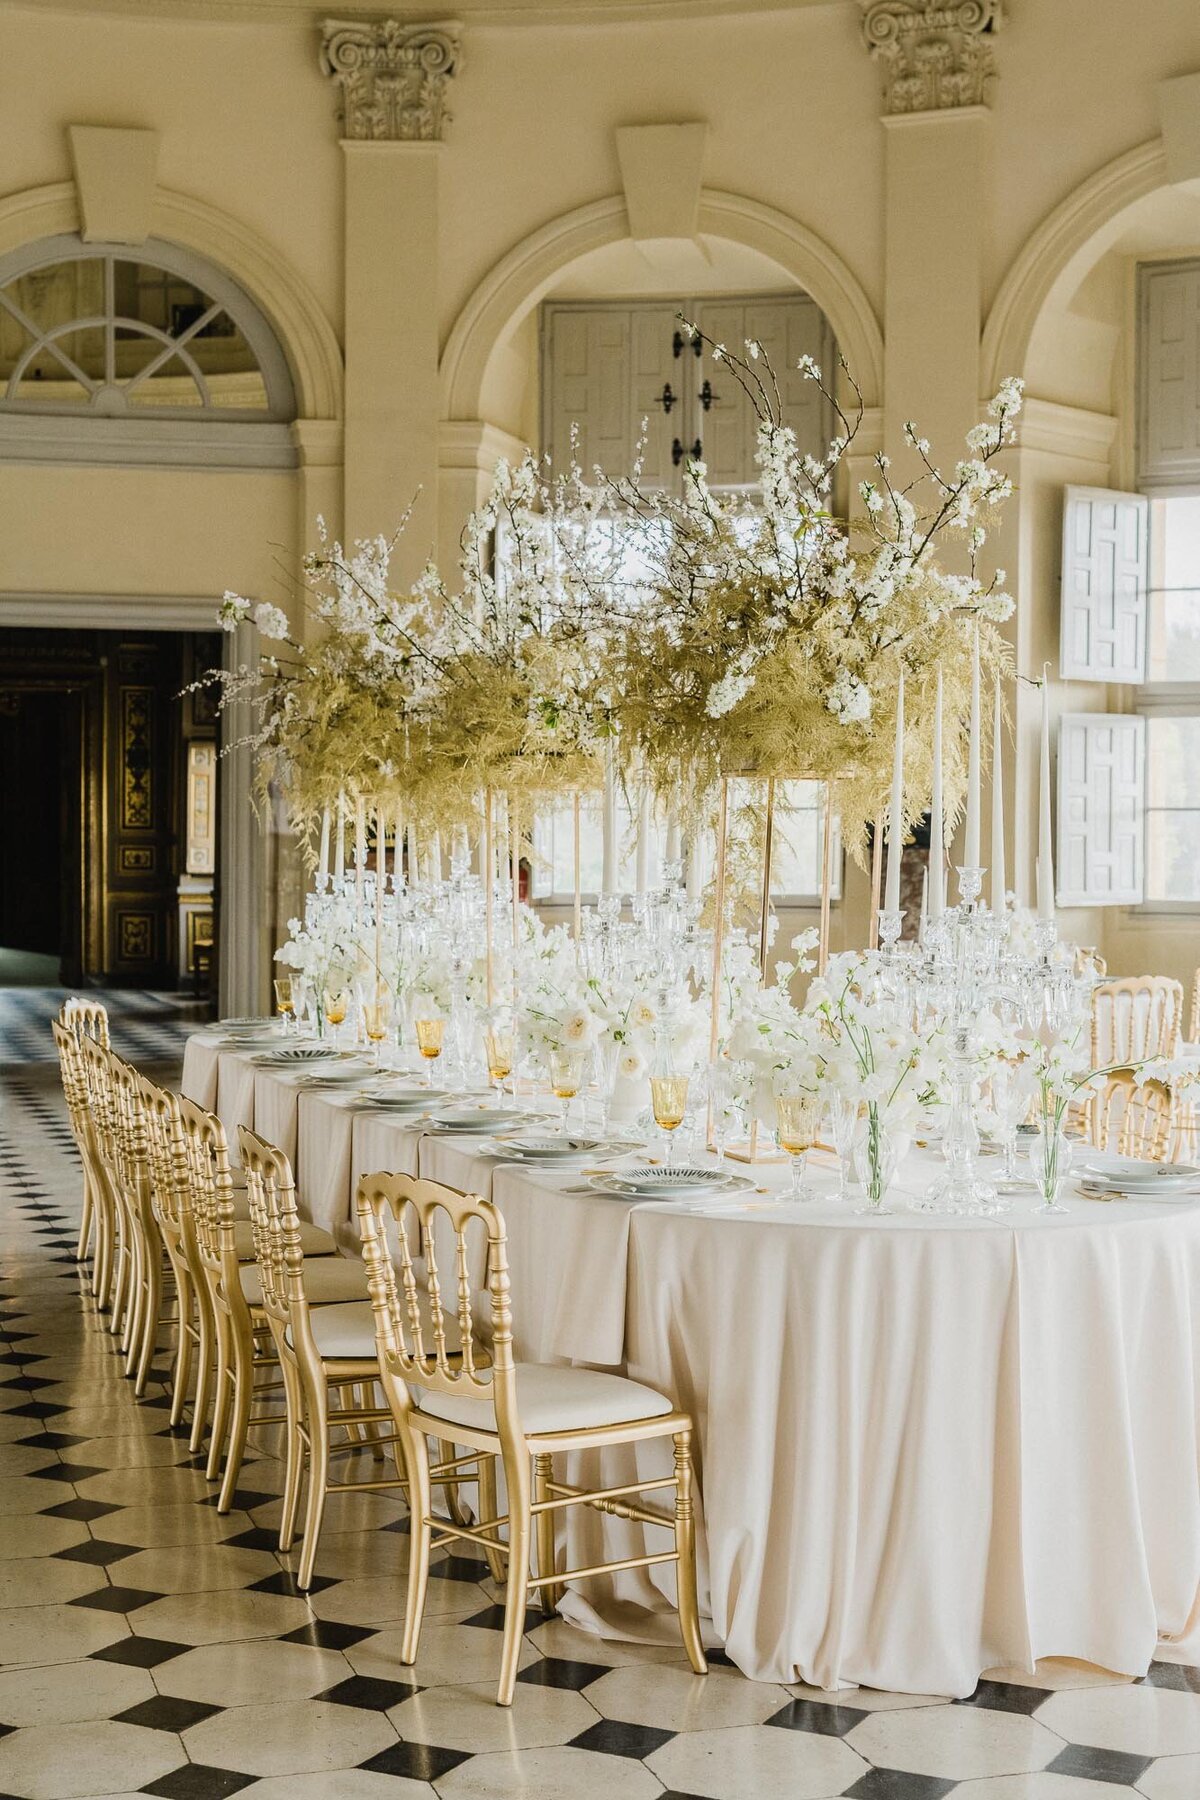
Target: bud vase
[(876, 1154), (1049, 1159)]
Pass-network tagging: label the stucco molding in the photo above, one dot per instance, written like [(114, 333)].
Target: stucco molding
[(526, 273), (934, 57), (1062, 236), (109, 612), (308, 339), (392, 78)]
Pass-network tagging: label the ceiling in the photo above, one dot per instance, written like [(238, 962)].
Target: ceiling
[(492, 12)]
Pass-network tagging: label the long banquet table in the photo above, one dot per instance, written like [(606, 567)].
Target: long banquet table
[(926, 1447)]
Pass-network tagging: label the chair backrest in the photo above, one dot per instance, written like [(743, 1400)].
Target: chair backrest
[(1134, 1118), (1194, 1021), (209, 1181), (1135, 1017), (424, 1327), (101, 1100), (86, 1018), (275, 1223), (131, 1140), (70, 1064), (167, 1171)]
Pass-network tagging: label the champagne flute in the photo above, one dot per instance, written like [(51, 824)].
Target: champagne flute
[(500, 1048), (284, 1004), (566, 1079), (668, 1097), (797, 1118), (300, 1000), (843, 1117), (377, 1021), (722, 1095), (430, 1033)]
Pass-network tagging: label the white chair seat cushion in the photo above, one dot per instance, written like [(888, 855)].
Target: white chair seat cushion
[(313, 1241), (327, 1279), (346, 1330), (553, 1399)]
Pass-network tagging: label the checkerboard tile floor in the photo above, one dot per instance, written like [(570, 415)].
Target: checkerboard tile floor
[(148, 1646)]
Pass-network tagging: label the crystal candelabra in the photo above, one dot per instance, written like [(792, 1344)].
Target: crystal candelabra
[(965, 966)]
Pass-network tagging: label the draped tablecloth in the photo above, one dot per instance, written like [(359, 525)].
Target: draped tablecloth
[(926, 1447)]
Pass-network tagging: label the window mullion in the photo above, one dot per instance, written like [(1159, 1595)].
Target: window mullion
[(110, 322)]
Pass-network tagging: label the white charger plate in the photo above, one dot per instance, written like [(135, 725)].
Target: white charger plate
[(297, 1056), (551, 1149), (1134, 1176), (470, 1119), (650, 1183)]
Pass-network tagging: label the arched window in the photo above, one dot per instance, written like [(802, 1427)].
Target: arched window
[(152, 346)]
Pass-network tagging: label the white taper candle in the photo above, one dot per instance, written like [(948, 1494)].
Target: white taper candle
[(971, 838), (891, 895), (608, 881), (339, 848), (997, 864), (1045, 863), (323, 856), (937, 815)]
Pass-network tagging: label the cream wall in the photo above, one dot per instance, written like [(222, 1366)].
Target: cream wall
[(926, 221)]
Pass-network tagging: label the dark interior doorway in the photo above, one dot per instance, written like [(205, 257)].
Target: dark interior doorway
[(39, 753)]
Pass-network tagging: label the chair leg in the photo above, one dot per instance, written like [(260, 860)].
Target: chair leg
[(451, 1488), (489, 1506), (151, 1317), (135, 1303), (685, 1545), (102, 1268), (87, 1217), (543, 1470), (205, 1350), (181, 1373), (293, 1479), (239, 1422), (516, 1477), (416, 1463), (221, 1398), (120, 1277), (317, 1407)]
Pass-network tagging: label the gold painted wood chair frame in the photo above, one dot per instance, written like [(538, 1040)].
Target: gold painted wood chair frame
[(416, 1366), (97, 1229), (242, 1342), (146, 1290), (102, 1106), (171, 1201), (309, 1376), (1135, 1119)]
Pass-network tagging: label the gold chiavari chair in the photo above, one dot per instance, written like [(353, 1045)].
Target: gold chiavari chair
[(1135, 1017), (170, 1201), (1135, 1118), (102, 1106), (97, 1221), (321, 1350), (85, 1018), (522, 1413), (1194, 1020), (242, 1338), (145, 1295)]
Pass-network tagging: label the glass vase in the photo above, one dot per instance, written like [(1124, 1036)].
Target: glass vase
[(876, 1154), (1049, 1160)]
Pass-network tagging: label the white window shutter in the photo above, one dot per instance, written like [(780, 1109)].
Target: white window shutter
[(589, 388), (1104, 581), (1169, 372), (1101, 809)]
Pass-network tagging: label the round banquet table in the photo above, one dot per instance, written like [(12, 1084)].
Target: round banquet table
[(926, 1447)]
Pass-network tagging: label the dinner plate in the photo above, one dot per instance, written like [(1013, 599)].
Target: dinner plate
[(248, 1024), (1092, 1188), (470, 1118), (297, 1056), (649, 1182), (551, 1149), (354, 1070), (406, 1099), (1133, 1176)]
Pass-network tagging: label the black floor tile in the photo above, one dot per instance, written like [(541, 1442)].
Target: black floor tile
[(257, 1538), (814, 1715), (285, 1583), (1091, 1764), (490, 1619), (141, 1652), (616, 1737), (327, 1634), (1175, 1676), (117, 1599), (458, 1568), (83, 1510), (95, 1550), (418, 1762), (68, 1471), (1006, 1696), (50, 1440), (162, 1712), (896, 1784), (367, 1692), (198, 1781), (561, 1672)]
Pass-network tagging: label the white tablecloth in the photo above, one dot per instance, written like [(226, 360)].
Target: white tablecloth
[(925, 1447)]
